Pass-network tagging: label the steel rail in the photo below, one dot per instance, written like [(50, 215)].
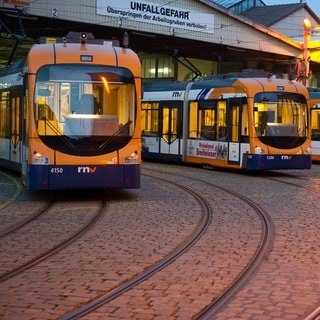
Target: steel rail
[(168, 259), (58, 247)]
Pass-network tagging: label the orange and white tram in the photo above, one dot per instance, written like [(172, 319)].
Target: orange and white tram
[(245, 123), (70, 115)]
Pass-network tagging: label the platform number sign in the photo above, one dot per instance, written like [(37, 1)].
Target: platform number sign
[(54, 12)]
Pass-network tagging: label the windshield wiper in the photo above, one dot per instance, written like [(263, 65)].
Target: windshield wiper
[(58, 133), (121, 131)]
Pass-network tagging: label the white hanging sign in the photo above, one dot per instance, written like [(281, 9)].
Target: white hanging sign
[(148, 12)]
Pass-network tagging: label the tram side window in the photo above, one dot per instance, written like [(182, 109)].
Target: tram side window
[(193, 121), (208, 120), (4, 114), (207, 114), (222, 121), (207, 123), (315, 125), (234, 122), (150, 119), (245, 120)]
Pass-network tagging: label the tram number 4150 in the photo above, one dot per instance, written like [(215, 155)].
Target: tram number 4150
[(56, 170)]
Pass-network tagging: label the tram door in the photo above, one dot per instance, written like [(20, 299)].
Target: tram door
[(315, 132), (170, 129), (234, 134), (15, 126)]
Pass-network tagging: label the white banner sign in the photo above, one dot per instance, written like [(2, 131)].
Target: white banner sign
[(157, 14)]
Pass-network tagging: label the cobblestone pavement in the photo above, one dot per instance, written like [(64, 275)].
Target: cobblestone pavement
[(142, 226)]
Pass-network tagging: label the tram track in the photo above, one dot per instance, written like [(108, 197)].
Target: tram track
[(241, 279), (125, 281), (278, 177), (307, 183), (16, 192), (25, 221), (35, 260), (182, 248), (253, 265), (288, 179), (260, 254)]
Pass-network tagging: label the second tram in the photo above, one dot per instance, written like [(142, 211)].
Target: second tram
[(314, 96), (70, 115), (243, 123)]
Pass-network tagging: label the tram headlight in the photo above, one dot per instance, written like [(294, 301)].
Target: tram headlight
[(38, 158), (258, 150), (309, 151), (133, 158)]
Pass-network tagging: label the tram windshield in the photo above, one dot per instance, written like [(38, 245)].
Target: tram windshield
[(280, 119), (84, 109)]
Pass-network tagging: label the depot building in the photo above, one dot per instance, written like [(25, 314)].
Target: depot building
[(176, 40)]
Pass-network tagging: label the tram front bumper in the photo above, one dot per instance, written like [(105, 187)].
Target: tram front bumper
[(273, 162), (49, 177)]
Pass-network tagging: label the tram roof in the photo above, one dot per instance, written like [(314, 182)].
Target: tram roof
[(182, 85), (217, 81)]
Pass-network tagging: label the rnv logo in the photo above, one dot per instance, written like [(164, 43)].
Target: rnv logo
[(286, 157), (86, 170)]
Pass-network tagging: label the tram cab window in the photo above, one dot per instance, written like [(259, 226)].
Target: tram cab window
[(280, 114), (83, 100)]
